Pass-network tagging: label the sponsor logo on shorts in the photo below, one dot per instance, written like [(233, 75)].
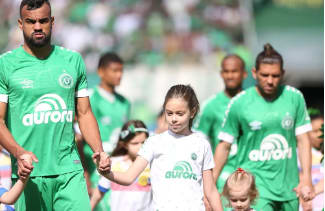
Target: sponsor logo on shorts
[(48, 108), (287, 122), (273, 147), (181, 170), (65, 80)]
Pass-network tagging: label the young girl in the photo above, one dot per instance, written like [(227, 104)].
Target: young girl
[(180, 160), (240, 190), (138, 195), (11, 196)]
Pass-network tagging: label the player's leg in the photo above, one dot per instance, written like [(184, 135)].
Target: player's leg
[(71, 192), (37, 195)]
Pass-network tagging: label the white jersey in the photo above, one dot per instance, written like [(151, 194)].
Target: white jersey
[(135, 197), (176, 166)]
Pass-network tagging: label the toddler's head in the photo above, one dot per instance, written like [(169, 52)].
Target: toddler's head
[(240, 190)]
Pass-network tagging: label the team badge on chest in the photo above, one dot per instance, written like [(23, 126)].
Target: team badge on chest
[(287, 122), (66, 80)]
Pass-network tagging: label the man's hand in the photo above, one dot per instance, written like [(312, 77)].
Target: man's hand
[(305, 192), (25, 161), (102, 161)]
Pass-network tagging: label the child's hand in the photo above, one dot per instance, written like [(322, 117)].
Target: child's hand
[(103, 162)]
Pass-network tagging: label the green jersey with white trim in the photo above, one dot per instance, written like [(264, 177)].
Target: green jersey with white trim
[(266, 136), (209, 122), (111, 112), (211, 116), (40, 97)]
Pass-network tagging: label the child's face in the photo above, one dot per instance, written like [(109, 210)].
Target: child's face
[(239, 200), (134, 145), (178, 116), (316, 132)]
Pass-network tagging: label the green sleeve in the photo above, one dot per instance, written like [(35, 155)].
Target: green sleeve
[(3, 79), (82, 78), (205, 121)]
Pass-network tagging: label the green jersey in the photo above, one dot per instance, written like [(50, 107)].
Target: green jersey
[(210, 118), (40, 97), (266, 136), (209, 122)]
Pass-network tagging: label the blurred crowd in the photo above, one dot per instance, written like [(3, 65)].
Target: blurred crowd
[(141, 31)]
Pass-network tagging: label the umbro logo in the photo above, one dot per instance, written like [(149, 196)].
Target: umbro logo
[(26, 83), (255, 125)]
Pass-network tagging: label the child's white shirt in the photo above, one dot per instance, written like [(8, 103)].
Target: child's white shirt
[(176, 166)]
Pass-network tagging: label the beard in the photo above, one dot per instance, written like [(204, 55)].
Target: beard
[(37, 43)]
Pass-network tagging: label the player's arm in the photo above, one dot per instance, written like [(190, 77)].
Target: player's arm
[(210, 191), (305, 187), (128, 177), (8, 142), (220, 158), (89, 130)]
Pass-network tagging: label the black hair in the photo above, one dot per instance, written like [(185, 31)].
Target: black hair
[(242, 62), (187, 93), (33, 4), (268, 56), (108, 58), (124, 139)]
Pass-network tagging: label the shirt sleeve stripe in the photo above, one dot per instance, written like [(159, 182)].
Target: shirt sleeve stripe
[(226, 137), (303, 129), (82, 93), (4, 98)]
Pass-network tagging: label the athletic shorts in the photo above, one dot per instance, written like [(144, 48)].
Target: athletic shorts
[(65, 192), (270, 205)]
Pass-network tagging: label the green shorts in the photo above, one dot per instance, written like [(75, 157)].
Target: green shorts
[(270, 205), (65, 192)]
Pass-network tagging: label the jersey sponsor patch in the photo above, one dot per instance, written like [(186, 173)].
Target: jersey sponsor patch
[(273, 147), (181, 170), (48, 108)]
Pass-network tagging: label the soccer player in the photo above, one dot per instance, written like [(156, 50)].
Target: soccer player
[(210, 119), (42, 86), (111, 110), (269, 122)]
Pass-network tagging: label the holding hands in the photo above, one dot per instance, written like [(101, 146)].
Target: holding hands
[(25, 161), (102, 161), (305, 192)]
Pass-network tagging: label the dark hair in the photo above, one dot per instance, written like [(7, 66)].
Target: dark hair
[(129, 134), (33, 4), (187, 93), (108, 58), (235, 56), (268, 56)]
